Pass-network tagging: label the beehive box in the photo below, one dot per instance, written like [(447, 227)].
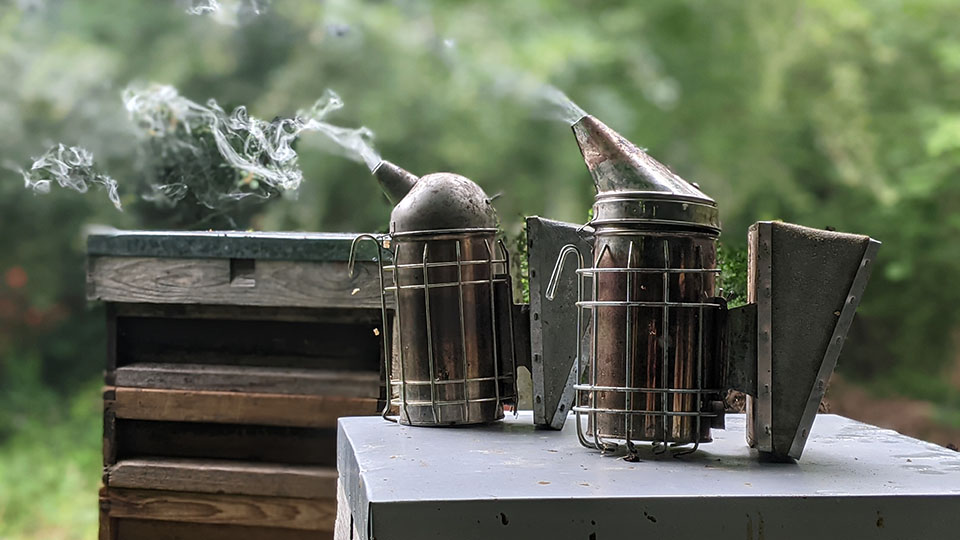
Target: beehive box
[(230, 357)]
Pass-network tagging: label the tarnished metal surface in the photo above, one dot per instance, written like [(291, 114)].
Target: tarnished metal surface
[(656, 332), (634, 188), (653, 369), (443, 201), (512, 481), (446, 333), (454, 359), (553, 324), (740, 349), (394, 181), (275, 246)]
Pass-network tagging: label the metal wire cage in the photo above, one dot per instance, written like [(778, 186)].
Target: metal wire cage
[(650, 369), (449, 351)]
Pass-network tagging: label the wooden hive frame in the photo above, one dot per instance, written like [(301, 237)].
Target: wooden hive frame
[(230, 358)]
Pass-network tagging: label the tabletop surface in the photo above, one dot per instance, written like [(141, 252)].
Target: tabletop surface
[(509, 480), (512, 459)]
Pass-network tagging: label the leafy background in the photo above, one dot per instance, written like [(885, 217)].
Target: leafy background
[(827, 113)]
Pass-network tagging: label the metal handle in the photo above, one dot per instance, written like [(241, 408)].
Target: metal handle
[(558, 268), (352, 259)]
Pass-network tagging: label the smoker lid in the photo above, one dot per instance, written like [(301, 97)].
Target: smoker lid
[(632, 186), (443, 201)]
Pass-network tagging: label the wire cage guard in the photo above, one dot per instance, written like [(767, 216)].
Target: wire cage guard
[(650, 369), (453, 358)]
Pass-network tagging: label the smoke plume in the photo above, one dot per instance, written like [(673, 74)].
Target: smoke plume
[(69, 167)]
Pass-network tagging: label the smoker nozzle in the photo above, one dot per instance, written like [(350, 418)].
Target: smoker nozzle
[(395, 181), (617, 164)]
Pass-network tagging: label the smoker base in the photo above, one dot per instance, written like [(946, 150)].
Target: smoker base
[(510, 480)]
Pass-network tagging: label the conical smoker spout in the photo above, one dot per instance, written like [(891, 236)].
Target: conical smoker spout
[(395, 181), (617, 164)]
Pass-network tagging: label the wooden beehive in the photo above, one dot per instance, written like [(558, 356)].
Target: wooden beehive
[(231, 356)]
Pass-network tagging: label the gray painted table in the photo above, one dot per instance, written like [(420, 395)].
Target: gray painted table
[(509, 480)]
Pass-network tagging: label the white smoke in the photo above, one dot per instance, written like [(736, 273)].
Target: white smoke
[(69, 167), (228, 12)]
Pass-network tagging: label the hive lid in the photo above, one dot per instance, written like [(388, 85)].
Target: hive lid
[(277, 246)]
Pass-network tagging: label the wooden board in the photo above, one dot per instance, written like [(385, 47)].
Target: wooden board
[(269, 444), (141, 529), (223, 476), (248, 313), (107, 524), (247, 510), (235, 408), (209, 281), (305, 345), (250, 379)]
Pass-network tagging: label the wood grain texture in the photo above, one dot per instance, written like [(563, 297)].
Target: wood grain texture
[(208, 281), (142, 529), (250, 379), (223, 476), (326, 345), (248, 313), (203, 440), (109, 435), (248, 510), (108, 530), (237, 408)]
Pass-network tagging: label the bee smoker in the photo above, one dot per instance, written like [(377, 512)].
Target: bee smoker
[(450, 351), (654, 347), (636, 341)]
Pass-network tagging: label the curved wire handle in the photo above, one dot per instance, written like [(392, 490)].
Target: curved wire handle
[(351, 263), (566, 251), (352, 259)]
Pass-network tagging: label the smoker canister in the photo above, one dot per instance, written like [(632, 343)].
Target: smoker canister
[(452, 358)]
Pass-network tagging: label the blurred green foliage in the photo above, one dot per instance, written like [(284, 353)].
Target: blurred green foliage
[(822, 112), (732, 262)]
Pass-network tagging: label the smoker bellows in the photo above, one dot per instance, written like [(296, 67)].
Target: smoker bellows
[(626, 327)]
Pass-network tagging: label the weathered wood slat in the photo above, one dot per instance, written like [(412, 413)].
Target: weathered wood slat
[(209, 281), (248, 313), (108, 530), (109, 438), (247, 510), (265, 444), (250, 379), (142, 529), (332, 346), (222, 476), (237, 408)]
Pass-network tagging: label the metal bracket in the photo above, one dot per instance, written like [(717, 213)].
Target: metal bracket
[(554, 343), (740, 349)]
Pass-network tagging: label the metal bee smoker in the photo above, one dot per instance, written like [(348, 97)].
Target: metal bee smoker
[(656, 347), (450, 351)]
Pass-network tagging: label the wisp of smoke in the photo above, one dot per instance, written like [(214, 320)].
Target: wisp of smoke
[(70, 167), (216, 157), (544, 100), (229, 12), (352, 143)]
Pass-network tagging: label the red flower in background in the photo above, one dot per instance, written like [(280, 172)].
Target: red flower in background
[(16, 277)]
